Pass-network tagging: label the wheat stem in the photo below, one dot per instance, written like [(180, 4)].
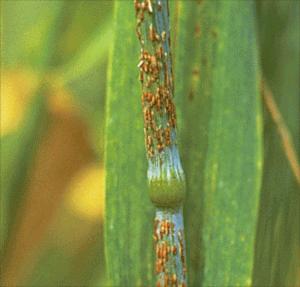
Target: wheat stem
[(165, 174)]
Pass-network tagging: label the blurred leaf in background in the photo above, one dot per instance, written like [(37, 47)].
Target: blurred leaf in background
[(278, 232), (53, 71)]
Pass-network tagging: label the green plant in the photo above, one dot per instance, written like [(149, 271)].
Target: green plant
[(220, 127), (217, 96), (236, 86)]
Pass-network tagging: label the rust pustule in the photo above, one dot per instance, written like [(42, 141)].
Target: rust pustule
[(156, 79)]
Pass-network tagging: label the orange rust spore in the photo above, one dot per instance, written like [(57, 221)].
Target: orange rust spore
[(156, 80)]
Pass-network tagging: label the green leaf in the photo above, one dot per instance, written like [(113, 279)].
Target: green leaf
[(82, 20), (233, 168), (278, 233), (216, 94), (129, 213), (220, 123), (196, 33), (92, 53)]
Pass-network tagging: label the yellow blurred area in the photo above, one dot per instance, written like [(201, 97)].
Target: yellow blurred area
[(17, 87), (60, 99), (64, 175), (86, 195)]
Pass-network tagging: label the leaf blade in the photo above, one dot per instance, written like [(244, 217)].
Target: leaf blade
[(221, 129), (128, 217)]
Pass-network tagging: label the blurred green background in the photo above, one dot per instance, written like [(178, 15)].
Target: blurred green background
[(53, 84), (53, 77)]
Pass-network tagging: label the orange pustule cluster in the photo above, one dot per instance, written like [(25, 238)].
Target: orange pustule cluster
[(166, 250), (156, 79)]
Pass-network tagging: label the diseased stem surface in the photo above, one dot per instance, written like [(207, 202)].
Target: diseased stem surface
[(165, 173), (170, 248)]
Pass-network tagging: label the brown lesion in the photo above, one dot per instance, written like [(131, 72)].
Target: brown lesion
[(197, 33)]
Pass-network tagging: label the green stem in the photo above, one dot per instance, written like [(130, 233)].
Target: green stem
[(165, 174)]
